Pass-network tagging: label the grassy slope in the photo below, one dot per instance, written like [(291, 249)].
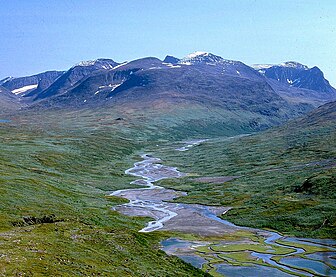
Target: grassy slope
[(287, 176), (61, 167)]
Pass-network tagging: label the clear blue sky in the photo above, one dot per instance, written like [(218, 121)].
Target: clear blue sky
[(39, 35)]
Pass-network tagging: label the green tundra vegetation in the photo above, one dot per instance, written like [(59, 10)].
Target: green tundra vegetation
[(56, 172), (58, 168)]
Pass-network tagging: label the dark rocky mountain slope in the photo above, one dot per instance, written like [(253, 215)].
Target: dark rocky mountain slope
[(299, 82), (8, 101), (201, 87), (24, 85), (73, 75), (211, 88)]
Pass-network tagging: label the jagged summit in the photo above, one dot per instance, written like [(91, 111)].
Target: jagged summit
[(171, 59)]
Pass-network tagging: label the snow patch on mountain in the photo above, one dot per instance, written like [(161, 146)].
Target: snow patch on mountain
[(261, 67), (100, 63), (170, 65), (201, 57), (196, 54), (206, 58), (86, 63), (24, 89), (7, 79), (107, 66), (294, 65), (112, 87), (120, 65), (115, 86)]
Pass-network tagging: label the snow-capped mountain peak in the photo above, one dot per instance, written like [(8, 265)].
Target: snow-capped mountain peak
[(293, 64), (199, 57), (196, 54), (86, 63), (289, 64), (99, 63)]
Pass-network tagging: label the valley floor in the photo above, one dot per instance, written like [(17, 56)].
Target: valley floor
[(56, 177), (215, 245)]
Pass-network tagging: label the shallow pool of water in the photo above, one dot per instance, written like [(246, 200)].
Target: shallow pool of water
[(329, 242), (173, 244), (194, 260), (251, 271), (325, 243), (327, 257), (315, 266)]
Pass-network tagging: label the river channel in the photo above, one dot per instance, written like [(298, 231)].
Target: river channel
[(223, 247)]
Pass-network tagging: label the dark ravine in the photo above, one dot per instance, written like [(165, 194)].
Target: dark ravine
[(291, 257)]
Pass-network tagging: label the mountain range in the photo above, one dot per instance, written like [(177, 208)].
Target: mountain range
[(234, 93)]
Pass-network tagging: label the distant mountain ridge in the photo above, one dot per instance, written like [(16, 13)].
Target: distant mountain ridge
[(73, 75), (297, 75), (23, 85), (227, 91), (288, 74)]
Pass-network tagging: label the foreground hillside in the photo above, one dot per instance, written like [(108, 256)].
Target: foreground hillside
[(286, 176), (55, 217)]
